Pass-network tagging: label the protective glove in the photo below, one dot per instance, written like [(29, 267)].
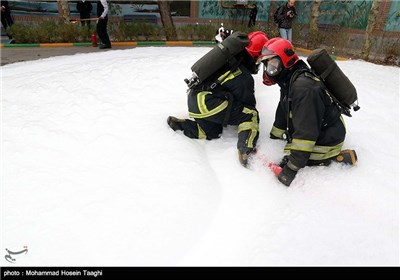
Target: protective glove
[(287, 175)]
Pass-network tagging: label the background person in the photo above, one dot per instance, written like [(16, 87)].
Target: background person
[(253, 16), (6, 18), (286, 15), (101, 28), (85, 9)]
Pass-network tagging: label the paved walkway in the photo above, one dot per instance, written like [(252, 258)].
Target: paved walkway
[(23, 52), (12, 55)]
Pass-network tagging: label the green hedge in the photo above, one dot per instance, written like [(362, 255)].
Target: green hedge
[(49, 32), (61, 32)]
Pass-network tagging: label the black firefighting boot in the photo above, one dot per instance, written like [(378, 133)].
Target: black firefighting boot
[(175, 123), (346, 157)]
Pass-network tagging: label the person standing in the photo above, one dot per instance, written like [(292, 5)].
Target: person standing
[(306, 116), (253, 16), (101, 28), (6, 19), (286, 14), (85, 9)]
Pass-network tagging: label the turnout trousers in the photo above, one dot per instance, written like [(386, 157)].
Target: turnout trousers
[(211, 113)]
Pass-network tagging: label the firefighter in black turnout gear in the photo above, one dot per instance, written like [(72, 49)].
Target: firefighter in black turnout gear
[(230, 102), (306, 117)]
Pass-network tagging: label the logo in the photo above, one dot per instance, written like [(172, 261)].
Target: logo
[(10, 257)]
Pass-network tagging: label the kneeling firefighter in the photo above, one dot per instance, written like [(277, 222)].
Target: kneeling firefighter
[(306, 117), (225, 96)]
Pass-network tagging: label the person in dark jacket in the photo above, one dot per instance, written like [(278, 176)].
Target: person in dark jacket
[(85, 9), (102, 13), (306, 117), (6, 19), (253, 16), (231, 102), (286, 15)]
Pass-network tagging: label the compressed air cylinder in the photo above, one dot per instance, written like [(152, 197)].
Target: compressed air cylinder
[(220, 55), (334, 79)]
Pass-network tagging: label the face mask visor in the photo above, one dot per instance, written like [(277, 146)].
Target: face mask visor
[(273, 66)]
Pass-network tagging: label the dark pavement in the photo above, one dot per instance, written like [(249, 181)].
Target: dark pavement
[(18, 54)]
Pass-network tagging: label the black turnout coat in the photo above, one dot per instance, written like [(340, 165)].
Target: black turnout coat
[(314, 127)]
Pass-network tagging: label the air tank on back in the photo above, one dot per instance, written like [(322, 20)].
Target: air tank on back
[(222, 54), (335, 80)]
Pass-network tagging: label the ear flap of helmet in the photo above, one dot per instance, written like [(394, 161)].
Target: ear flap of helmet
[(293, 58)]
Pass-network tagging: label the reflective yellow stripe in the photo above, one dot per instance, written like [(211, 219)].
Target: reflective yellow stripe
[(302, 145), (247, 126), (252, 126), (223, 76), (318, 152), (250, 111), (207, 114), (203, 110), (202, 134), (277, 132), (201, 98), (327, 149), (328, 152), (286, 152), (201, 101), (229, 76)]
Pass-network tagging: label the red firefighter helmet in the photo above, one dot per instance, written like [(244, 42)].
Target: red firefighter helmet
[(279, 47), (276, 55), (257, 41)]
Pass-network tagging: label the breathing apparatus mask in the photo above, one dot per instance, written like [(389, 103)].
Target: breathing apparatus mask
[(272, 68), (278, 57)]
